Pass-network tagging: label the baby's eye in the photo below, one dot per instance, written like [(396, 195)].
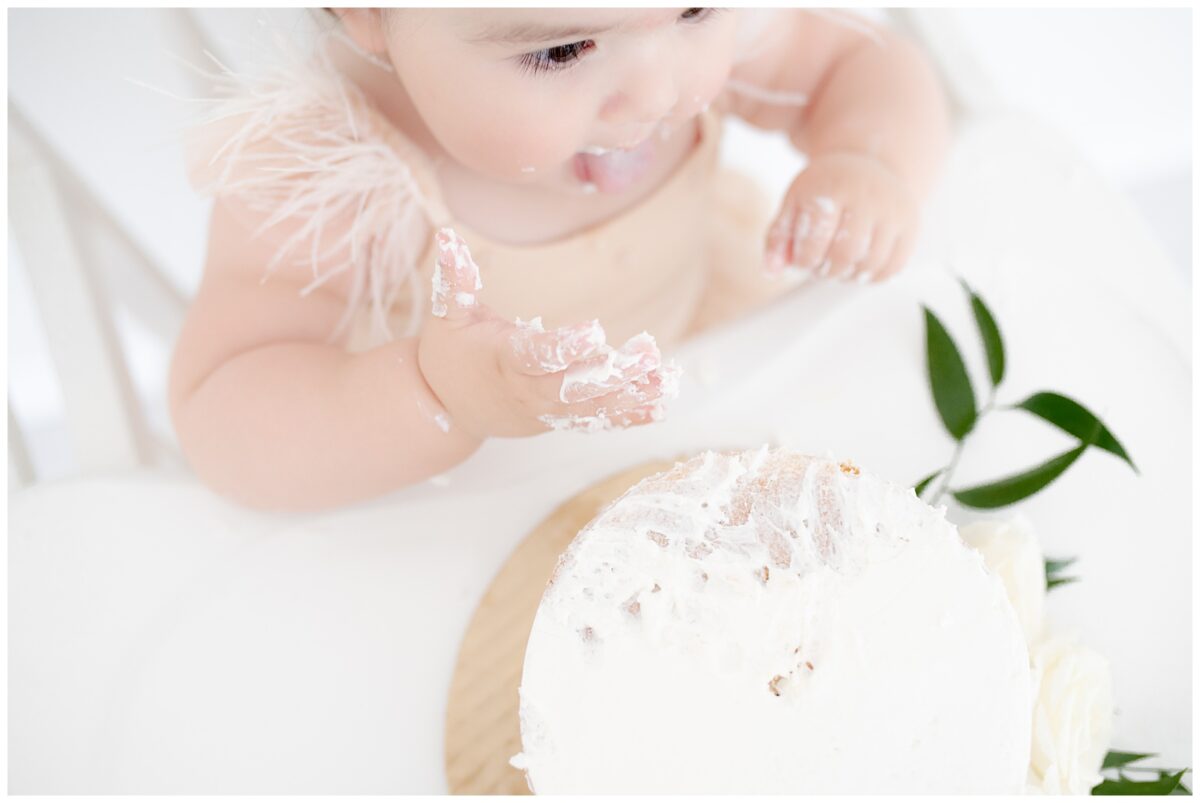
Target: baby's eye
[(555, 58), (560, 57)]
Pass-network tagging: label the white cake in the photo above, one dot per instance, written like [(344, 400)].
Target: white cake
[(771, 622)]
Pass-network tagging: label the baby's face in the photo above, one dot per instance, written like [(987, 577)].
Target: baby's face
[(559, 97)]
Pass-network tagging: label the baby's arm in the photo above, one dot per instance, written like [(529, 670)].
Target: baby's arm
[(272, 416), (874, 125), (866, 90)]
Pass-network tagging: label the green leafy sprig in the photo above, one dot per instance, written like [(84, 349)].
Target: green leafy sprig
[(1163, 782), (1054, 570), (955, 400)]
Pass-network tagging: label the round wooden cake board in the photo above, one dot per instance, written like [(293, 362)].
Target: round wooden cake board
[(482, 727)]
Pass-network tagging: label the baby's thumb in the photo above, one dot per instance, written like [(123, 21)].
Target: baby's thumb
[(537, 352), (455, 277)]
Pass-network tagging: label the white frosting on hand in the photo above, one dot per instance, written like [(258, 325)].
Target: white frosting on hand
[(771, 622), (555, 353), (611, 369), (455, 275)]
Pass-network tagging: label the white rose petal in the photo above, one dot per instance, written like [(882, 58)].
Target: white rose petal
[(1072, 719), (1010, 549)]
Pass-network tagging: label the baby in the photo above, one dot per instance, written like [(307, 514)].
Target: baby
[(574, 151)]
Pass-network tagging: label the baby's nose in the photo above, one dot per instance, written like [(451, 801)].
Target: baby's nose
[(645, 98)]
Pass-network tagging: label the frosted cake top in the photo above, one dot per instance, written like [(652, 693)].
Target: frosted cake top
[(766, 621)]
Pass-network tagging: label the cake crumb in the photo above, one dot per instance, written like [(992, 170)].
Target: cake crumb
[(849, 468), (774, 685)]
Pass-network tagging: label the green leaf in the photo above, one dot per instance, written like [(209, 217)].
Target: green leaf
[(1054, 577), (1019, 486), (1072, 417), (1123, 785), (952, 393), (1115, 758), (993, 346), (920, 487), (1054, 567)]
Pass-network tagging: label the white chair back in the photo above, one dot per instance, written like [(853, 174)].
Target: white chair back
[(84, 268)]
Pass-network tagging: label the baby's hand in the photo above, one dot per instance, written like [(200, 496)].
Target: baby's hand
[(499, 378), (846, 216)]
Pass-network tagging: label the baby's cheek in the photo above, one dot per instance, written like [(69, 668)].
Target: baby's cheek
[(707, 76), (539, 140), (510, 139)]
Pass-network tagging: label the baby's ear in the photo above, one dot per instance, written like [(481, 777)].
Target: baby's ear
[(365, 27)]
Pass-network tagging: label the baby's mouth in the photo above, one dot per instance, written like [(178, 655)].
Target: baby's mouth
[(615, 170)]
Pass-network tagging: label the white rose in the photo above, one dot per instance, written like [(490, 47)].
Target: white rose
[(1010, 549), (1072, 718)]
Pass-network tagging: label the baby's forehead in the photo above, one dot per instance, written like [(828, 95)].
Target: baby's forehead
[(532, 25)]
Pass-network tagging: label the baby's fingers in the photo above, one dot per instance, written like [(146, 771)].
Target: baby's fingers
[(537, 352), (883, 240), (638, 403), (851, 245), (816, 223), (611, 369), (455, 278), (779, 241)]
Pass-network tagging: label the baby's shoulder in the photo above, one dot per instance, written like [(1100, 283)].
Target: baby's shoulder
[(299, 123), (315, 177)]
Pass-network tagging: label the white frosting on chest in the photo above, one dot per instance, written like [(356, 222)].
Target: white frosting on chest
[(770, 622)]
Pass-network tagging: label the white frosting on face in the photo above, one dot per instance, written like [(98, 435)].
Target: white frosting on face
[(771, 622)]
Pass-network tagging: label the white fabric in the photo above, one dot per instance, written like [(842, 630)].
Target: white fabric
[(162, 640)]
